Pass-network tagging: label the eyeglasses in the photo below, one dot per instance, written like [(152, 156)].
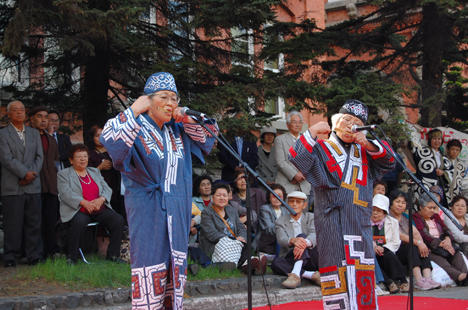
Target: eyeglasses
[(296, 122), (166, 98)]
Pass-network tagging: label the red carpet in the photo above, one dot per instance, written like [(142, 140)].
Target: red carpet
[(385, 303)]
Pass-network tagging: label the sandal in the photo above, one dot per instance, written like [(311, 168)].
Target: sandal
[(404, 287), (393, 288)]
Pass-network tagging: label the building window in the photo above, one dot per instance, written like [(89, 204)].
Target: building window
[(242, 47)]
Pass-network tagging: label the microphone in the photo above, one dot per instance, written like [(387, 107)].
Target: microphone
[(187, 112), (356, 128)]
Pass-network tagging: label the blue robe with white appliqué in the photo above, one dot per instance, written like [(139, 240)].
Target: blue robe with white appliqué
[(157, 171), (343, 185)]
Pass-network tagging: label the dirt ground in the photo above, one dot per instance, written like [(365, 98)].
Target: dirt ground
[(11, 286)]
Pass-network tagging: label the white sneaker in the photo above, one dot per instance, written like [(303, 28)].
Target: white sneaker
[(380, 292)]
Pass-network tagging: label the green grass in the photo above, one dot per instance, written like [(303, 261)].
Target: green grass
[(99, 274), (103, 274)]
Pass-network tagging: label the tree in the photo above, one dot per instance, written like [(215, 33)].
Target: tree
[(412, 41)]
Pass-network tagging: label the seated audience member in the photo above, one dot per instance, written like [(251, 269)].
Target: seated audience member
[(267, 168), (296, 236), (453, 188), (84, 198), (421, 260), (194, 223), (439, 194), (386, 242), (202, 191), (380, 188), (460, 237), (99, 158), (257, 196), (439, 240), (220, 220), (242, 211), (269, 213)]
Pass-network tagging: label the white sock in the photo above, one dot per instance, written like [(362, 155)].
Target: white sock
[(308, 274), (297, 268)]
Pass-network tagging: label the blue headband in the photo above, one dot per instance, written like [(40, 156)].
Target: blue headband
[(160, 81)]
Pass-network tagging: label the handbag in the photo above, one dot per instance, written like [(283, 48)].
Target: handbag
[(267, 243), (443, 252), (227, 250)]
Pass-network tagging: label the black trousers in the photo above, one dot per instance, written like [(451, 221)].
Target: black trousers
[(50, 217), (22, 217), (283, 266), (391, 267), (403, 255), (113, 221)]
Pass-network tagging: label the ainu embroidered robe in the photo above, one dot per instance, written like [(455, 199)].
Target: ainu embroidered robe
[(453, 188), (343, 186), (426, 166), (157, 172)]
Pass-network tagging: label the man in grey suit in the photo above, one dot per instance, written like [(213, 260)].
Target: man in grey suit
[(288, 175), (21, 159), (296, 236)]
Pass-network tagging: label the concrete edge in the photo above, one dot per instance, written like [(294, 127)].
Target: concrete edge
[(238, 301)]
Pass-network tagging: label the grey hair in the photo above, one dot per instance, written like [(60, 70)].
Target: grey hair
[(335, 118), (10, 104), (288, 118), (423, 200)]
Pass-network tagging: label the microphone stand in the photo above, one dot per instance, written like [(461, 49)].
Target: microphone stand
[(248, 171), (415, 180), (410, 184)]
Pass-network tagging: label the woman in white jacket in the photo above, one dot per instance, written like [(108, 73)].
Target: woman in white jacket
[(460, 237), (386, 242)]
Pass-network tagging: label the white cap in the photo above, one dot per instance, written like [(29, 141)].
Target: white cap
[(380, 201), (297, 194)]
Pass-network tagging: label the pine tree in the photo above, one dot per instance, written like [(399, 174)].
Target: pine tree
[(413, 42)]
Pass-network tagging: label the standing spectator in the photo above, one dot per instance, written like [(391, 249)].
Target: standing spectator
[(21, 158), (247, 150), (202, 191), (63, 140), (453, 188), (431, 167), (393, 177), (296, 236), (99, 158), (267, 168), (49, 193), (288, 175)]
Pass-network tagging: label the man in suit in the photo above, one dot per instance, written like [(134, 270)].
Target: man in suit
[(63, 140), (39, 118), (288, 175), (247, 150), (21, 158), (296, 236)]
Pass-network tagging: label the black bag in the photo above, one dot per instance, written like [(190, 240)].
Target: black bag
[(267, 243), (443, 252)]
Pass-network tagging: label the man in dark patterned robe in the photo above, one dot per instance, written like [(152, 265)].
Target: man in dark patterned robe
[(342, 171)]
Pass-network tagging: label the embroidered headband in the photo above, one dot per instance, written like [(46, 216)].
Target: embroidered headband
[(356, 108), (434, 133), (160, 81)]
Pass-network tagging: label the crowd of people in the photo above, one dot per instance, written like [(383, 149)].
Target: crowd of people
[(138, 161)]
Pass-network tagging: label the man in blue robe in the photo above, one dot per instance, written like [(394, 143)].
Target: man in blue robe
[(152, 144)]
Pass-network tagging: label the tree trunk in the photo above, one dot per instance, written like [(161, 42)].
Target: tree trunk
[(433, 40), (96, 87)]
